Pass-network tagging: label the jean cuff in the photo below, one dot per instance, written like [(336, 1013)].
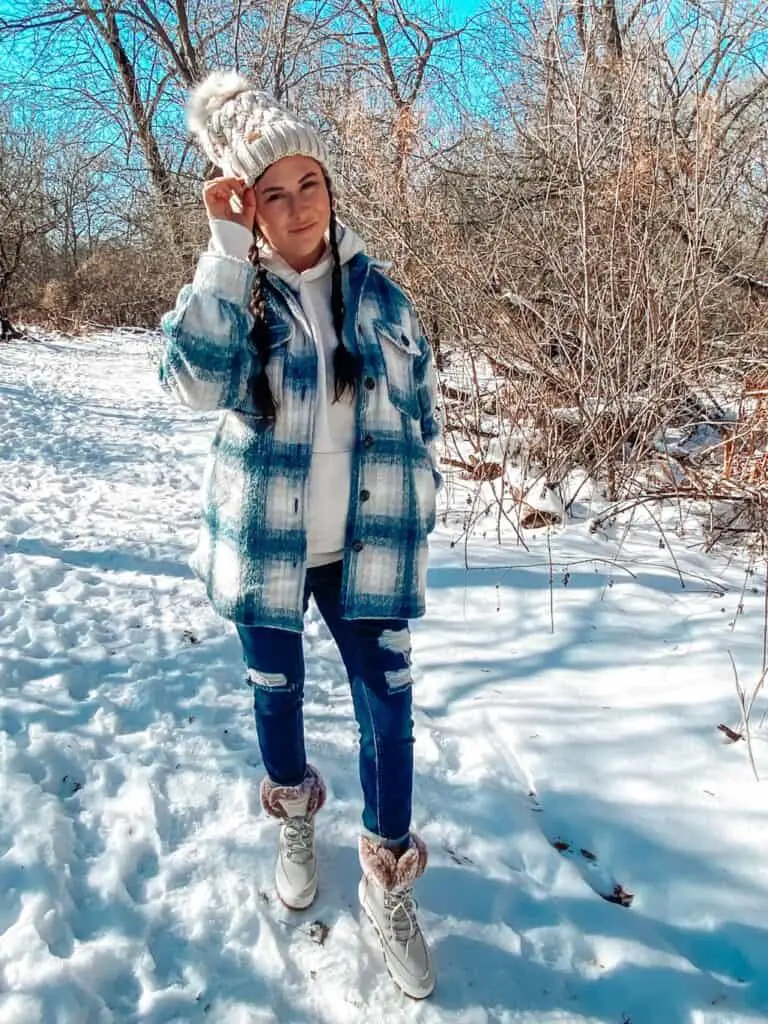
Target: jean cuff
[(390, 844)]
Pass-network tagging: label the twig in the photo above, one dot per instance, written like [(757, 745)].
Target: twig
[(745, 713), (614, 561), (551, 583), (669, 548), (741, 603)]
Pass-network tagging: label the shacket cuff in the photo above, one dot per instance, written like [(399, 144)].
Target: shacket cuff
[(230, 239), (224, 277)]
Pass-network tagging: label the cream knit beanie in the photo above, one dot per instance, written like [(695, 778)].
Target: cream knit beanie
[(243, 130)]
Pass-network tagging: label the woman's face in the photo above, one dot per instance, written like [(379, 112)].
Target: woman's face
[(293, 210)]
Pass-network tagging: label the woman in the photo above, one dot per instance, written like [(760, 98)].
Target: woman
[(321, 481)]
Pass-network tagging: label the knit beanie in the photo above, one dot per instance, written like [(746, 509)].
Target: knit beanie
[(243, 130)]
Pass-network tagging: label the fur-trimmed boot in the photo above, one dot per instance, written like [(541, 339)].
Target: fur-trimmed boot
[(296, 807), (386, 895)]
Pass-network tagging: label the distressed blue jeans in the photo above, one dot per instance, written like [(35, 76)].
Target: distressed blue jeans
[(377, 656)]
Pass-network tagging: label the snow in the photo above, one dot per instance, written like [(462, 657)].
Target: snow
[(568, 693)]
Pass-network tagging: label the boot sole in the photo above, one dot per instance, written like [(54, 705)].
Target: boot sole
[(297, 906), (415, 996), (302, 901), (302, 905)]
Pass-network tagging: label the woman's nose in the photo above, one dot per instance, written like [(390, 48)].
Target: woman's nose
[(303, 201)]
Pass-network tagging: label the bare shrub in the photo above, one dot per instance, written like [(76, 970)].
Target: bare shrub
[(613, 246), (58, 298)]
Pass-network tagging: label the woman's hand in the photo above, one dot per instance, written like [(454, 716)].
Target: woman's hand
[(230, 199)]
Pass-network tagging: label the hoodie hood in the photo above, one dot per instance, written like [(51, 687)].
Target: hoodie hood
[(349, 242)]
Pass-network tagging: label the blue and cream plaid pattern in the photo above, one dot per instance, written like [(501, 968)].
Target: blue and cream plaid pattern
[(252, 545)]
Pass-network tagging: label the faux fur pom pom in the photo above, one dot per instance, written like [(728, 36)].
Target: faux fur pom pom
[(211, 94)]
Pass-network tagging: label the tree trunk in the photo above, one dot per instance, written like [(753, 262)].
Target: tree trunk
[(7, 331), (109, 30)]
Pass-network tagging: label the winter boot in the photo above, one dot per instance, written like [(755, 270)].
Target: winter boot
[(386, 895), (296, 807)]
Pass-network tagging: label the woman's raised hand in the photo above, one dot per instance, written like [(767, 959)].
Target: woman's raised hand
[(230, 199)]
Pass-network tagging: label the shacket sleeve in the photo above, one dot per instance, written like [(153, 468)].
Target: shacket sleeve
[(427, 391), (207, 361)]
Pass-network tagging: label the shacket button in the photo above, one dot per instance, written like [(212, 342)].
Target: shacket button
[(368, 441), (370, 383), (364, 495), (357, 546)]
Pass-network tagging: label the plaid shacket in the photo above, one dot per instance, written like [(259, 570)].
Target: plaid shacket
[(252, 548)]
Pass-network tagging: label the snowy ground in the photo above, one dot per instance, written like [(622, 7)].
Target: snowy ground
[(136, 866)]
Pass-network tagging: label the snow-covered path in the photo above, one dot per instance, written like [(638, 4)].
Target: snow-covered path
[(136, 866)]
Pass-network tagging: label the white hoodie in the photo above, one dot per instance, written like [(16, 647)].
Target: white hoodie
[(334, 439)]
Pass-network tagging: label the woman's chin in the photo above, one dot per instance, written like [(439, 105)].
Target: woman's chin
[(302, 257)]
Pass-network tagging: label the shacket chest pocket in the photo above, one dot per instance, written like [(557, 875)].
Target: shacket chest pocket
[(398, 353), (280, 334)]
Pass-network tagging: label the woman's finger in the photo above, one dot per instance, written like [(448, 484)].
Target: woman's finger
[(230, 199), (226, 191), (222, 188), (228, 182)]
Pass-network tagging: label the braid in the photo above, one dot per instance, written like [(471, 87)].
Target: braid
[(346, 366), (261, 392), (337, 296)]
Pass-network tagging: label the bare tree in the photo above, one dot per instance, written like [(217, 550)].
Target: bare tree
[(585, 213), (134, 55), (25, 215)]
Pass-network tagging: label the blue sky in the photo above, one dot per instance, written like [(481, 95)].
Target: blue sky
[(462, 8), (23, 60)]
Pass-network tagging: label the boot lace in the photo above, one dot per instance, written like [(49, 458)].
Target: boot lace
[(400, 908), (298, 836)]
